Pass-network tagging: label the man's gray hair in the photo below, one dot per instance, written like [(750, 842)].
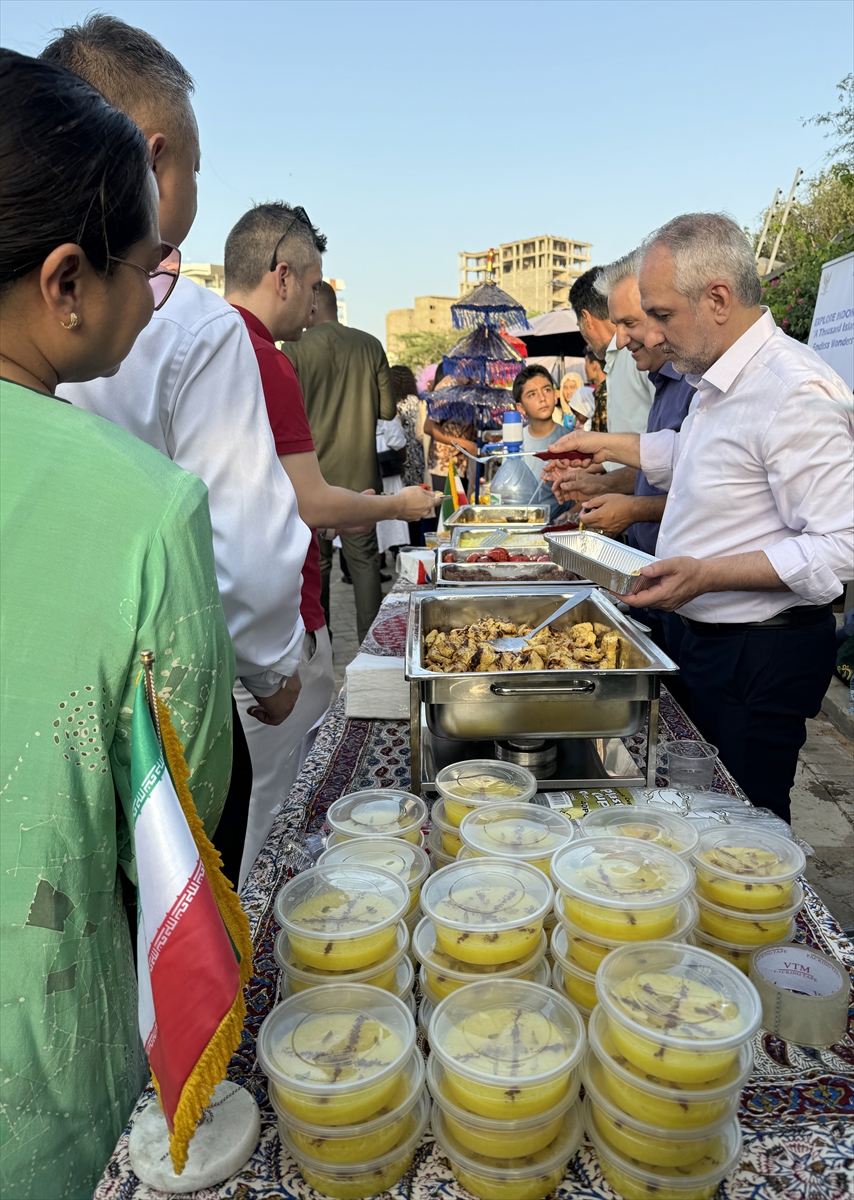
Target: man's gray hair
[(616, 272), (267, 231), (706, 247)]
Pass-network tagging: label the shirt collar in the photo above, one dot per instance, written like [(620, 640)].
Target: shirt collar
[(611, 354), (723, 373), (252, 322), (669, 370)]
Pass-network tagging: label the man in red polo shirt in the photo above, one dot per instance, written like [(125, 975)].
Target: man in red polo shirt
[(272, 273)]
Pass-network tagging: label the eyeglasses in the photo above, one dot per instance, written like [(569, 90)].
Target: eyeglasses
[(164, 276), (299, 215)]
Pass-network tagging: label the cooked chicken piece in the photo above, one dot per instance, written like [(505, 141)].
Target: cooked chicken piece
[(611, 647), (599, 628), (587, 654), (431, 637), (581, 627), (584, 638)]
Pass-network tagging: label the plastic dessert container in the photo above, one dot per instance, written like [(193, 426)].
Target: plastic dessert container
[(738, 955), (675, 1011), (559, 986), (381, 975), (444, 974), (332, 840), (368, 1139), (580, 984), (542, 974), (636, 1180), (467, 785), (342, 918), (620, 888), (588, 951), (404, 859), (501, 1178), (438, 857), (662, 1102), (378, 813), (487, 911), (520, 832), (449, 834), (743, 867), (647, 824), (378, 1173), (751, 927), (334, 1054), (508, 1047)]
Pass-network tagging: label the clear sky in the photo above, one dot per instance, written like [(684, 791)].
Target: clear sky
[(411, 129)]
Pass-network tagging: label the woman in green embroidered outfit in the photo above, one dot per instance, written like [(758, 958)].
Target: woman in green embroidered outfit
[(106, 550)]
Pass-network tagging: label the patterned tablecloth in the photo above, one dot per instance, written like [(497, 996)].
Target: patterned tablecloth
[(797, 1110)]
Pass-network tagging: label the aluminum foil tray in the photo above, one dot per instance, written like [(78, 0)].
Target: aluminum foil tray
[(608, 563), (501, 574)]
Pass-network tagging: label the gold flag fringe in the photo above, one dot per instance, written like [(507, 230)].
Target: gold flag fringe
[(211, 1067)]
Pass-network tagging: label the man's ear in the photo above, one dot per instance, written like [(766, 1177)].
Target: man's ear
[(719, 296)]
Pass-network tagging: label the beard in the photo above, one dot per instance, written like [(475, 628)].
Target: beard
[(695, 360)]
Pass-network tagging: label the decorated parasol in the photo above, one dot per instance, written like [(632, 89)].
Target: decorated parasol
[(485, 356), (472, 404), (488, 304)]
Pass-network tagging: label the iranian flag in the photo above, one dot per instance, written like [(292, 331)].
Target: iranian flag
[(194, 952)]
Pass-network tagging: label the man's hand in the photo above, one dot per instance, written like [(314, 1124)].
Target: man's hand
[(575, 483), (608, 514), (273, 710), (417, 502), (680, 580), (591, 445)]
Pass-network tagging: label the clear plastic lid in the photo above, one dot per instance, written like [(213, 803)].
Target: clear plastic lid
[(483, 781), (620, 872), (339, 903), (295, 968), (436, 960), (435, 1081), (747, 853), (417, 1120), (683, 996), (509, 1171), (377, 813), (761, 916), (647, 824), (507, 1029), (708, 941), (686, 919), (332, 840), (436, 850), (527, 832), (540, 973), (335, 1038), (402, 858), (486, 895), (728, 1084)]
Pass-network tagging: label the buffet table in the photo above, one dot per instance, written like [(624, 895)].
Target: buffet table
[(798, 1108)]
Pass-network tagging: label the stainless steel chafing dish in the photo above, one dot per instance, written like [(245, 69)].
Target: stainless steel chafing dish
[(500, 516)]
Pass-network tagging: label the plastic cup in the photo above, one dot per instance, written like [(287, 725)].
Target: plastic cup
[(332, 840), (580, 984), (690, 764), (749, 928), (404, 859), (647, 824), (542, 974), (734, 953), (636, 1180), (662, 1102), (354, 1181), (381, 975), (334, 1054), (497, 1138), (438, 857), (369, 1139), (487, 911), (559, 986), (467, 785), (503, 1178), (676, 1011), (509, 1048), (588, 951), (519, 832), (342, 918), (449, 833), (378, 813), (444, 974), (620, 888), (746, 868)]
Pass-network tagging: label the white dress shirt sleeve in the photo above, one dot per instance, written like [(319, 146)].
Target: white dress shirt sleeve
[(658, 454)]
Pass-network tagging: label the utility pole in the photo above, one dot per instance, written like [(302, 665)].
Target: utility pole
[(767, 223), (779, 237)]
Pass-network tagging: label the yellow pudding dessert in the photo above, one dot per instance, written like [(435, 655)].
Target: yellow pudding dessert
[(646, 824), (489, 1187), (580, 984), (448, 833), (378, 813), (356, 1185), (523, 832), (749, 928), (470, 785), (743, 869), (739, 956), (663, 1151), (487, 911), (299, 976), (333, 1147), (436, 850), (409, 862), (588, 955)]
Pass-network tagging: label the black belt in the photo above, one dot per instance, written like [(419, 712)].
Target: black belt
[(791, 618)]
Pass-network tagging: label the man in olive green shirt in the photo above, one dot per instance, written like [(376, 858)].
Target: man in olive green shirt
[(346, 382)]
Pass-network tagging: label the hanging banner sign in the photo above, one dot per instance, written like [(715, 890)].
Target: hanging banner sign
[(832, 331)]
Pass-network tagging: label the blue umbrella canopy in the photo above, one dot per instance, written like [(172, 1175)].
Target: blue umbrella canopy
[(472, 404), (485, 356), (488, 304)]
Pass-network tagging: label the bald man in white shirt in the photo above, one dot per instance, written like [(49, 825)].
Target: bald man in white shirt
[(758, 532)]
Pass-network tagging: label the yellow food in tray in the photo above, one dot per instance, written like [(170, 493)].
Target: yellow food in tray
[(586, 645)]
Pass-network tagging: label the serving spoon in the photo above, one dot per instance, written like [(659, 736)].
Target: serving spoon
[(519, 643)]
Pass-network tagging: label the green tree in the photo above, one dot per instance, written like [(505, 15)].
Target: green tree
[(418, 349), (841, 124)]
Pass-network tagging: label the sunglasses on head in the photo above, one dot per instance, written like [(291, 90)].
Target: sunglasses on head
[(299, 215)]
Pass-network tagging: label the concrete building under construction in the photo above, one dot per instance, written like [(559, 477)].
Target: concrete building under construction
[(537, 271)]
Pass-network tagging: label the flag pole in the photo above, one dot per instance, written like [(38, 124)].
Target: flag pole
[(147, 659)]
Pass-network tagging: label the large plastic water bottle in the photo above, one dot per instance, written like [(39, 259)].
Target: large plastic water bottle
[(513, 482)]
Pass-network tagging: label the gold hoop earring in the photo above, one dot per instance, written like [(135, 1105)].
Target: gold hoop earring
[(72, 324)]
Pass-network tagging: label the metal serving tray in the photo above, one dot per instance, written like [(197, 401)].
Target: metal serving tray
[(503, 574), (519, 537), (499, 704), (608, 563), (500, 516)]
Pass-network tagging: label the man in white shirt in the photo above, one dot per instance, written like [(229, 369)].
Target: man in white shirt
[(758, 532), (191, 388)]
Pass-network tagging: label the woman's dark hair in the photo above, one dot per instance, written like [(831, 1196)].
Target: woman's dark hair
[(403, 382), (72, 169)]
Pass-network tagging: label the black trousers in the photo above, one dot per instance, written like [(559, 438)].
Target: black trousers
[(231, 831), (751, 693)]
